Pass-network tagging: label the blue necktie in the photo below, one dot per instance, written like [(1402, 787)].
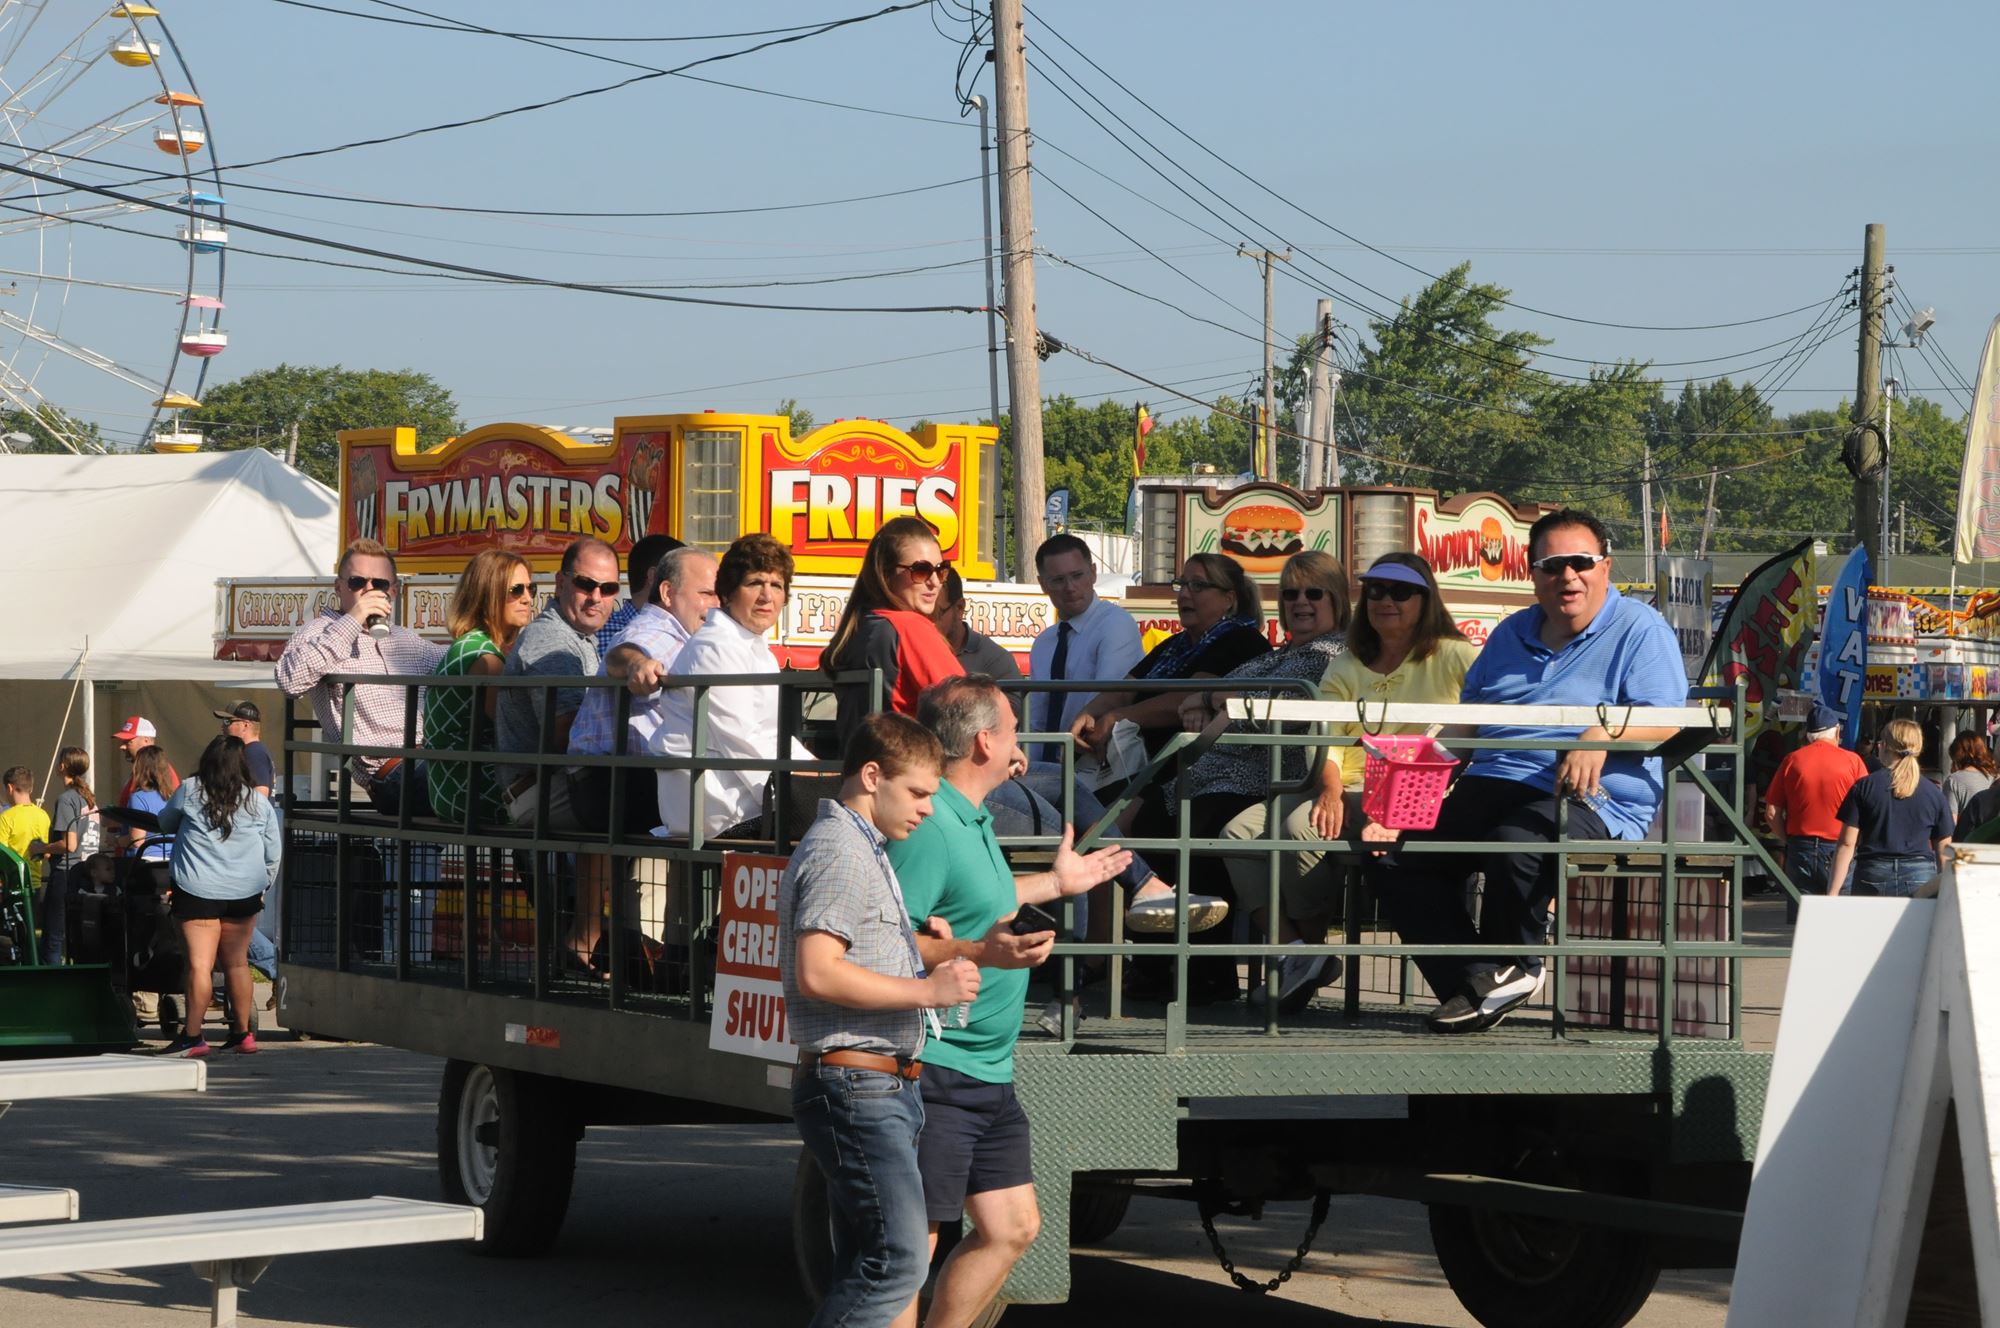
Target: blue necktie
[(1058, 672)]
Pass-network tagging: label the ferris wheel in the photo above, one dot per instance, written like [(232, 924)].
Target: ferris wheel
[(110, 307)]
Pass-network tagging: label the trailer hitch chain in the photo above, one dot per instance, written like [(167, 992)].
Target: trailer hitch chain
[(1210, 1207)]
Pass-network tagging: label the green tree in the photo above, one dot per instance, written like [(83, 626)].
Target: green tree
[(259, 409), (49, 430), (802, 419)]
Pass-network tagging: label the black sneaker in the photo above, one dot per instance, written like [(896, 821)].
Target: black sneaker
[(1501, 992), (1457, 1015)]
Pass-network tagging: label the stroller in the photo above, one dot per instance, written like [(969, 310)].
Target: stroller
[(118, 916)]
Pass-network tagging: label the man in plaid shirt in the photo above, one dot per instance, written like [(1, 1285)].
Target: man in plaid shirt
[(338, 641)]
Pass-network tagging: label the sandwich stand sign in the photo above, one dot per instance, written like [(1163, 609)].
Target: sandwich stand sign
[(1261, 525), (749, 1015)]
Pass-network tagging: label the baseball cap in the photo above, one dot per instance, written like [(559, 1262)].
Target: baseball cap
[(136, 726), (241, 710), (1823, 717), (1408, 576)]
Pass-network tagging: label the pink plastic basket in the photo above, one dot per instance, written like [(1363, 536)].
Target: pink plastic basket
[(1403, 781)]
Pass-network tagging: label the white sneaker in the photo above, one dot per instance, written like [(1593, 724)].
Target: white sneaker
[(1500, 992), (1155, 913)]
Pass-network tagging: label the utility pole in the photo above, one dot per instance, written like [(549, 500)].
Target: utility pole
[(292, 446), (1322, 466), (986, 207), (1264, 259), (1708, 517), (1646, 500), (1871, 455), (1017, 247)]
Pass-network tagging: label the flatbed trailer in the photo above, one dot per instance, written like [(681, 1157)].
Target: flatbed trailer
[(1564, 1158)]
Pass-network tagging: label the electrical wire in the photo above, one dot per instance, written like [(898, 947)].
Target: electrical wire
[(465, 209), (1353, 239), (490, 274), (453, 26)]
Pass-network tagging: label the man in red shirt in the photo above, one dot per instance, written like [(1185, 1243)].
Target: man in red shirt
[(1803, 804), (138, 734)]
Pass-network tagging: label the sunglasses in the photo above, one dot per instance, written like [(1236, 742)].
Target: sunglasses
[(522, 589), (1313, 594), (370, 583), (608, 589), (1396, 590), (925, 571), (1558, 563), (1192, 583)]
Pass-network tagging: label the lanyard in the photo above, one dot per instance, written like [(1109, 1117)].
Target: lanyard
[(869, 833)]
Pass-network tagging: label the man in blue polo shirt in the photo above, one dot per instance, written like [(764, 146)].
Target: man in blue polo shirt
[(973, 1153), (1581, 644)]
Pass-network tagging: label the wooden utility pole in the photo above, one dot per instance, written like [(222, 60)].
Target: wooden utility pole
[(1017, 249), (1646, 500), (292, 446), (1322, 467), (1264, 259), (1708, 518), (1870, 457)]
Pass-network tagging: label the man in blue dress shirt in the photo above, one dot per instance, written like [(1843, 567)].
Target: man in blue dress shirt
[(1581, 644)]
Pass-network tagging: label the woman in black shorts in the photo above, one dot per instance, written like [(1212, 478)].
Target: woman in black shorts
[(226, 848)]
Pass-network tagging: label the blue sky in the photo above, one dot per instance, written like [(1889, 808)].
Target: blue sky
[(1690, 164)]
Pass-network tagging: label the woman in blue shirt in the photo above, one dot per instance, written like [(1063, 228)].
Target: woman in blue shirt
[(226, 849)]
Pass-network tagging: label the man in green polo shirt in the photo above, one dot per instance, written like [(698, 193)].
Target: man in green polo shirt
[(973, 1152)]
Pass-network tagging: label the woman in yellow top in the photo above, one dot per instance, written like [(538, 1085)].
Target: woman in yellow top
[(1402, 646)]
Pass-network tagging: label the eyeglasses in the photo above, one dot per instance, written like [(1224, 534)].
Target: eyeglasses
[(1313, 594), (1068, 578), (1557, 563), (926, 570), (1398, 591), (1192, 583), (358, 583), (522, 589), (608, 589)]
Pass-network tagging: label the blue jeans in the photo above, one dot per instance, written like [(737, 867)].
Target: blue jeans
[(1031, 805), (1896, 878), (55, 912), (263, 954), (861, 1126), (385, 792), (1809, 862)]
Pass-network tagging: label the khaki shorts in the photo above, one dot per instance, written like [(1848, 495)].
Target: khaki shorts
[(1309, 882)]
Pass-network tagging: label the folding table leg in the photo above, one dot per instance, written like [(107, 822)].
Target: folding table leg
[(227, 1277)]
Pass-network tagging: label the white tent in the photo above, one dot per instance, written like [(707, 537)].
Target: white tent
[(123, 553)]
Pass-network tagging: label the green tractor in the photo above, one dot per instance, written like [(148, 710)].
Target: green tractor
[(50, 1009)]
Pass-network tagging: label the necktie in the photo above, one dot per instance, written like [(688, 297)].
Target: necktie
[(1058, 701)]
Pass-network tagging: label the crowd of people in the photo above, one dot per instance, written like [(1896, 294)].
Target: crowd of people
[(214, 837)]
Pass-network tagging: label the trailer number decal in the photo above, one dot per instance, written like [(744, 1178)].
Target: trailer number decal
[(533, 1035), (749, 1015)]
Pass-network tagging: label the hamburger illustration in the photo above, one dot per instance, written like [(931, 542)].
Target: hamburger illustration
[(642, 482), (1263, 530), (1492, 548), (364, 489)]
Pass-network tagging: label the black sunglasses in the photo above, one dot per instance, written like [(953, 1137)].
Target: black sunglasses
[(1312, 593), (1192, 583), (608, 589), (1395, 590), (370, 583), (520, 588), (1557, 563), (926, 570)]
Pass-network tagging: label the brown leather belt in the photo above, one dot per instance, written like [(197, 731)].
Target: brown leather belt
[(863, 1060)]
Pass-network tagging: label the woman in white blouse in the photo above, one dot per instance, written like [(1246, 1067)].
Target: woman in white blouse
[(741, 722)]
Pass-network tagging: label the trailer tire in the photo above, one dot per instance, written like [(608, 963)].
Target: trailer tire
[(812, 1242), (1096, 1212), (506, 1144), (1511, 1271)]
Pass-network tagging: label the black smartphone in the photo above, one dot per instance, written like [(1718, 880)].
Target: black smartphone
[(1030, 921)]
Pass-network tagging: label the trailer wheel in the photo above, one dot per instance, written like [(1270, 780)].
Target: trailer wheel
[(1096, 1212), (1511, 1271), (812, 1242), (506, 1144)]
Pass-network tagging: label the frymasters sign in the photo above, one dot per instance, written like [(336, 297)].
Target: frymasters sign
[(705, 478)]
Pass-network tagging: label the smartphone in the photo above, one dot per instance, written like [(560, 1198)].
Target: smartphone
[(1030, 921)]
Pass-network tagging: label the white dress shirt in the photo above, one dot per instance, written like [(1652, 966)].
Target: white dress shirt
[(1103, 644), (742, 725)]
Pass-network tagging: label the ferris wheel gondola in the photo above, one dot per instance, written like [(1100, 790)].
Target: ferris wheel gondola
[(91, 349)]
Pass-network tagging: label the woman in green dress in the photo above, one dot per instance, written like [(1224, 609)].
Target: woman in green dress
[(494, 600)]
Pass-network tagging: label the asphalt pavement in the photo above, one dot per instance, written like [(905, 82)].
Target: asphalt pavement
[(684, 1224)]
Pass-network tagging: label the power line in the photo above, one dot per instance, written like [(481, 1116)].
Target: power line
[(490, 274), (590, 213), (1354, 239), (454, 26)]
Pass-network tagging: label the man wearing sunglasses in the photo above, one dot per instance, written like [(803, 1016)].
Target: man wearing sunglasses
[(561, 642), (1581, 644), (338, 641)]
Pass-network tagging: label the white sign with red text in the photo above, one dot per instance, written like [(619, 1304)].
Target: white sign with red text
[(749, 1018)]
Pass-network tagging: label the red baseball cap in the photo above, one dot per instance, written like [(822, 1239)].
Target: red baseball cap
[(136, 726)]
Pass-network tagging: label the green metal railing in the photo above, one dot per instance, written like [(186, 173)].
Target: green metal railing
[(693, 862)]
